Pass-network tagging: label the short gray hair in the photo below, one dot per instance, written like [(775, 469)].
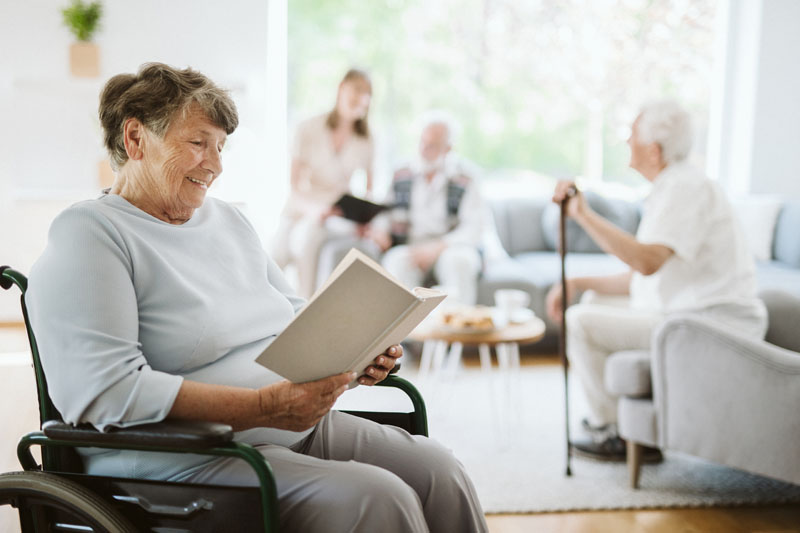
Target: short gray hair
[(438, 117), (667, 123), (153, 96)]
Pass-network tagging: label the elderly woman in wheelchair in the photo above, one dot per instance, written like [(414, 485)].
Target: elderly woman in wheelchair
[(152, 302)]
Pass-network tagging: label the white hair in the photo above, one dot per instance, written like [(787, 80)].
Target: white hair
[(437, 117), (665, 122)]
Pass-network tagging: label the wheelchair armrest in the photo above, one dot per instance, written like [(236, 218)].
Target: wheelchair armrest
[(172, 433)]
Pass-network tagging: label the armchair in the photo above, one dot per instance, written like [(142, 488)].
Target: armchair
[(707, 391)]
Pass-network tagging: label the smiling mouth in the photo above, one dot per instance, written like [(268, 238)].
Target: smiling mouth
[(203, 184)]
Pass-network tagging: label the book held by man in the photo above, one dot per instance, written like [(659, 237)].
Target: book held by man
[(358, 313)]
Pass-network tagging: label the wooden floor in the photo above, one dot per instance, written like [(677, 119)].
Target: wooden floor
[(784, 519), (713, 520)]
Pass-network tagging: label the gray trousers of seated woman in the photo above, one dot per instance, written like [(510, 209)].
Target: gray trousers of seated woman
[(352, 474)]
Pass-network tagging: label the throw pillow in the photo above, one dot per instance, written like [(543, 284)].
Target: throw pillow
[(757, 216)]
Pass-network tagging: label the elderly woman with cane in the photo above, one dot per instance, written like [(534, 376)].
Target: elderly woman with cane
[(153, 301), (688, 255)]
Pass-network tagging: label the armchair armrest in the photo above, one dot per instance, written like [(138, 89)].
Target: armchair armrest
[(726, 397), (171, 433)]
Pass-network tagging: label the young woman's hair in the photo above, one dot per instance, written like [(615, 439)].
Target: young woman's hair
[(361, 127)]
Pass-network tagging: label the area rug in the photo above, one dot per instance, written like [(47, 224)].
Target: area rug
[(508, 431)]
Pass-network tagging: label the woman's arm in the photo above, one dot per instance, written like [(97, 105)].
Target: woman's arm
[(617, 284), (282, 405), (644, 258)]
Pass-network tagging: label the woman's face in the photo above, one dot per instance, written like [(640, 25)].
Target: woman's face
[(354, 98), (186, 161)]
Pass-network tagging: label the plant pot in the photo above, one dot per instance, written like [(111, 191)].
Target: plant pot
[(84, 59)]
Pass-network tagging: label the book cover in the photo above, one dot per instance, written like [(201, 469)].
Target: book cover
[(355, 316)]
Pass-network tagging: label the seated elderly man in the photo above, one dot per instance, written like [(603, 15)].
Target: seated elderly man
[(437, 223), (153, 301), (688, 255)]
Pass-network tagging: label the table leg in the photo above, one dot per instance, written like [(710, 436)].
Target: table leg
[(486, 357), (438, 357), (426, 358), (454, 358)]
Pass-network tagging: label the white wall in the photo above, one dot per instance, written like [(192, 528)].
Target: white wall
[(50, 137), (775, 164), (756, 117)]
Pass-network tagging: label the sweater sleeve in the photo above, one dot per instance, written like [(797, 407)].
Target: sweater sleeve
[(84, 311)]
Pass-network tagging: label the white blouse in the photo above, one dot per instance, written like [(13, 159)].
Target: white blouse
[(711, 265), (327, 172)]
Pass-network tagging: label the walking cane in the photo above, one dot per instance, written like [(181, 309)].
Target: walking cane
[(562, 339)]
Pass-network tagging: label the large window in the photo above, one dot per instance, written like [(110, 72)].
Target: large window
[(540, 88)]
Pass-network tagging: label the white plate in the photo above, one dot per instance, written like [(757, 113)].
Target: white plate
[(498, 319)]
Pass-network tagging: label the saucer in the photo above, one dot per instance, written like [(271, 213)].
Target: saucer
[(521, 315)]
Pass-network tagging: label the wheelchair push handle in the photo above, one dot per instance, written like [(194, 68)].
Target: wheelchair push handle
[(9, 277)]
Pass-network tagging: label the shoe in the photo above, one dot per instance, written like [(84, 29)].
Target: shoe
[(604, 430), (612, 449)]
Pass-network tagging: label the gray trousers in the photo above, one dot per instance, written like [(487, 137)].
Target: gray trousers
[(352, 474)]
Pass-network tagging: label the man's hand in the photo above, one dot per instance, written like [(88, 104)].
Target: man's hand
[(381, 366), (425, 255), (299, 406), (576, 201)]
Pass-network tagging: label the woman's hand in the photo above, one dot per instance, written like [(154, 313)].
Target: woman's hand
[(381, 366), (553, 301), (576, 201), (299, 406), (332, 211)]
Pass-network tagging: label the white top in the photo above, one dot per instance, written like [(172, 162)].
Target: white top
[(711, 266), (328, 172), (428, 216), (126, 306)]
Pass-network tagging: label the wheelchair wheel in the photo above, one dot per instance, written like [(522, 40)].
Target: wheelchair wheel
[(31, 490)]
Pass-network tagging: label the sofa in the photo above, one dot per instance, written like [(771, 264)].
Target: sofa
[(704, 390), (527, 228)]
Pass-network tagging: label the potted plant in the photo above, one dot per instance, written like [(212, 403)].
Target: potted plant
[(83, 20)]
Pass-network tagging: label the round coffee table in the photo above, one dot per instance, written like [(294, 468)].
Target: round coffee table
[(436, 339)]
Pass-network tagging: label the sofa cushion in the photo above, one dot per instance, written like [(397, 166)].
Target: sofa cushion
[(784, 316), (785, 244), (627, 373), (518, 223), (624, 215), (774, 275)]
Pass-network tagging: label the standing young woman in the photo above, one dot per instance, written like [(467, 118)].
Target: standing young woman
[(328, 149)]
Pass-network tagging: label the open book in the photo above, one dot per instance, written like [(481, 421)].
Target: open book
[(358, 313)]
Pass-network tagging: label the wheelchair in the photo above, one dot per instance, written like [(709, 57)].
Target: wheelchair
[(57, 496)]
